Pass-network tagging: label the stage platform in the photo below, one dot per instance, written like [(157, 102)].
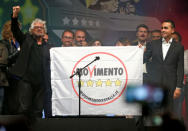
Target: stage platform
[(72, 123)]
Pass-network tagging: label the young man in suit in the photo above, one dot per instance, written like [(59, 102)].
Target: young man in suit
[(167, 62)]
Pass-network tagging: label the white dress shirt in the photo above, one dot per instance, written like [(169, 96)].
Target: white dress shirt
[(144, 65), (165, 47)]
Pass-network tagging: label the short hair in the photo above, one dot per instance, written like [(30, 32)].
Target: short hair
[(70, 31), (94, 40), (81, 31), (178, 34), (158, 31), (37, 20), (143, 26), (123, 40), (171, 22)]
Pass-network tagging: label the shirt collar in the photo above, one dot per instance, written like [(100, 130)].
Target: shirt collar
[(169, 42), (143, 44)]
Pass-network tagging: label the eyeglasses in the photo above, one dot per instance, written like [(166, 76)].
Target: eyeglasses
[(66, 37), (81, 37), (38, 27)]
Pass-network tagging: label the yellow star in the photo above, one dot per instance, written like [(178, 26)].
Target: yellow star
[(90, 83), (108, 83), (118, 82), (99, 83), (29, 12), (82, 83)]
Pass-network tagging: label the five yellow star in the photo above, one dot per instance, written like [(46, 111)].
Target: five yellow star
[(99, 83), (90, 83), (108, 83), (118, 82)]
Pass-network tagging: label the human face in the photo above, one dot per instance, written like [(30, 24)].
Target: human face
[(155, 35), (175, 37), (96, 43), (80, 36), (38, 29), (67, 39), (119, 44), (142, 34), (167, 30)]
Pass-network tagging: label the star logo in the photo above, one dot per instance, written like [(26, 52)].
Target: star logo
[(99, 83), (90, 83), (29, 12), (66, 21), (84, 22), (75, 21), (82, 83), (90, 22), (118, 82), (108, 83)]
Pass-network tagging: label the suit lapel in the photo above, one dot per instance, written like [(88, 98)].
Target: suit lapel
[(160, 50), (170, 50)]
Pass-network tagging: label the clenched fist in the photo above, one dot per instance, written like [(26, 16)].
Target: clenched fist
[(16, 10)]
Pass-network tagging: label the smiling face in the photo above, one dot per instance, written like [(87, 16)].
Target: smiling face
[(167, 30)]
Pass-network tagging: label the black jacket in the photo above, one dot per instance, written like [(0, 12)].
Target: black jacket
[(168, 72), (26, 41)]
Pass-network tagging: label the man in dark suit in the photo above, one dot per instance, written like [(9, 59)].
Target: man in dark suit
[(167, 62), (29, 66), (142, 33)]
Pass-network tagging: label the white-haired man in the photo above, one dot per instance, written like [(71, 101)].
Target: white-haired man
[(29, 66)]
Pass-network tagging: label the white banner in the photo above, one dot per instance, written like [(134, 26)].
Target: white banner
[(103, 83)]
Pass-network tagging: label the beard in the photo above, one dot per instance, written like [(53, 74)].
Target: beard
[(67, 44), (37, 36)]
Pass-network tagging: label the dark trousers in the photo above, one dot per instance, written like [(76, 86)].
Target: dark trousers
[(30, 98), (10, 103), (186, 99), (48, 102), (178, 103), (1, 99)]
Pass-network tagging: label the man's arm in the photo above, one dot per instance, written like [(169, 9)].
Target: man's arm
[(180, 68), (17, 33), (180, 74), (148, 52)]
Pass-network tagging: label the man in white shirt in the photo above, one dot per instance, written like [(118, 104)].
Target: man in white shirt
[(167, 62)]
